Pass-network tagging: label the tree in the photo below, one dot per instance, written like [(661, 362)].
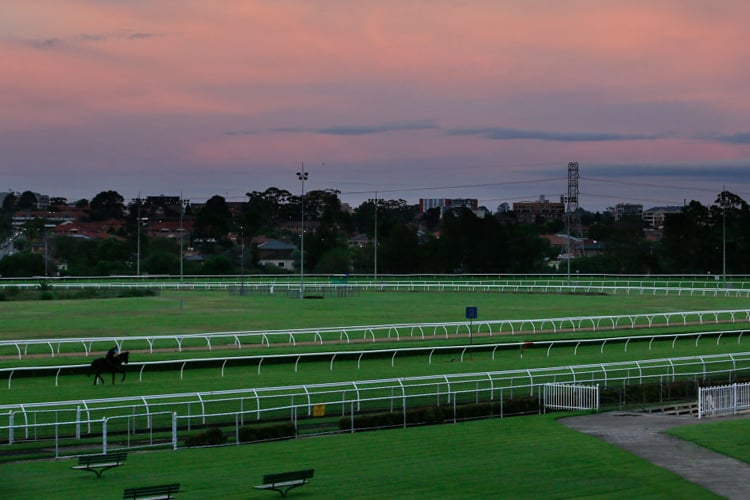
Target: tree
[(684, 247), (264, 210), (24, 264), (27, 201), (213, 220), (107, 205), (9, 203)]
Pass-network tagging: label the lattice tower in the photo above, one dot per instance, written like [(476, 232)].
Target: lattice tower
[(571, 208)]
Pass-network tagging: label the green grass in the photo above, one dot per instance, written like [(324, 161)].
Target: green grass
[(244, 374), (515, 458), (730, 437), (200, 312), (529, 457)]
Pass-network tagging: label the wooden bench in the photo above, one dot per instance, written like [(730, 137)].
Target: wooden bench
[(159, 492), (99, 463), (285, 481)]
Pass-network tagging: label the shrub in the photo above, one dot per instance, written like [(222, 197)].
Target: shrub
[(266, 432), (209, 437)]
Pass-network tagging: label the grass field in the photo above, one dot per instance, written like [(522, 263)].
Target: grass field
[(524, 457), (200, 312), (730, 437), (527, 457)]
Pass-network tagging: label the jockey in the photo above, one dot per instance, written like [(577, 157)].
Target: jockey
[(112, 354)]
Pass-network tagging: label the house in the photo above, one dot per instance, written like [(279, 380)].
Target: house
[(277, 253), (359, 241)]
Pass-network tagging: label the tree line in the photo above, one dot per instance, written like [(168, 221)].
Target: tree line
[(696, 240)]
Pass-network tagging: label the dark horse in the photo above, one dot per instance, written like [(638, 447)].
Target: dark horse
[(98, 366)]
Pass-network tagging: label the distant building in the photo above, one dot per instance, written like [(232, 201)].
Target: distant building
[(277, 253), (444, 204), (655, 216), (41, 201), (627, 209), (529, 212), (163, 201)]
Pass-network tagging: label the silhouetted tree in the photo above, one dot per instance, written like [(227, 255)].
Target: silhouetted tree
[(107, 205)]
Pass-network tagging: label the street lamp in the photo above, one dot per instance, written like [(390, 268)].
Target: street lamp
[(138, 237), (183, 205), (47, 227), (139, 221), (242, 260), (375, 275), (724, 236), (302, 176)]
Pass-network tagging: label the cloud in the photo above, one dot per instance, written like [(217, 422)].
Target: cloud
[(738, 138), (504, 134), (738, 170), (349, 130), (47, 43), (240, 132), (53, 42)]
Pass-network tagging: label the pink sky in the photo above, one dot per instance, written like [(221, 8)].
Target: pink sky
[(405, 97)]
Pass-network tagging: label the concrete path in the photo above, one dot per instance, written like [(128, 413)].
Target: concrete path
[(643, 434)]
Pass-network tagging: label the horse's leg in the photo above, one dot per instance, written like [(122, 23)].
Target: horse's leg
[(114, 370), (123, 374)]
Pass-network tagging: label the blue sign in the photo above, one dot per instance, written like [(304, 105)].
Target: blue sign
[(471, 312)]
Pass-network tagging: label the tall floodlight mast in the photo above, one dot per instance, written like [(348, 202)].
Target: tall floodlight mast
[(571, 206)]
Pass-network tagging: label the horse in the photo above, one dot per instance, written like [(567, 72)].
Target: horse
[(98, 366)]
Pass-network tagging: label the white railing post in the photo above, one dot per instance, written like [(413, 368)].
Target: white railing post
[(174, 430), (104, 435)]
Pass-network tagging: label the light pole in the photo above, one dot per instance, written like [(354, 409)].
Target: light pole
[(724, 236), (47, 227), (242, 260), (302, 176), (183, 205), (375, 275), (138, 229)]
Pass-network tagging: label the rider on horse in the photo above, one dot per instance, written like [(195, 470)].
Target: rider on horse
[(112, 354)]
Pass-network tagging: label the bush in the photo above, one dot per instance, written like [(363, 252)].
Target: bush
[(209, 437), (266, 432)]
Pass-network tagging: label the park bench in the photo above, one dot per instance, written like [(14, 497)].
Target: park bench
[(158, 492), (285, 481), (99, 463)]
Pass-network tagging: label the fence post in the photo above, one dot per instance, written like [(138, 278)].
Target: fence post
[(174, 430), (78, 422), (104, 435), (454, 408), (351, 414), (11, 423), (403, 408)]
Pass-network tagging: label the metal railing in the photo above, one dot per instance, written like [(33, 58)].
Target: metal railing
[(723, 400), (395, 331), (73, 421)]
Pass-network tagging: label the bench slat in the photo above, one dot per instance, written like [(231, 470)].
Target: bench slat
[(152, 492), (99, 463), (285, 481)]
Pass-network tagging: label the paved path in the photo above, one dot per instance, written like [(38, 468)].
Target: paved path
[(643, 434)]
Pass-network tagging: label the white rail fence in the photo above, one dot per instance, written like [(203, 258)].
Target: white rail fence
[(458, 354), (143, 421), (396, 331), (738, 285), (570, 397), (723, 400)]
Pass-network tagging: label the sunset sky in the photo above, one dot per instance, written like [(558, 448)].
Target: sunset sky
[(409, 98)]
